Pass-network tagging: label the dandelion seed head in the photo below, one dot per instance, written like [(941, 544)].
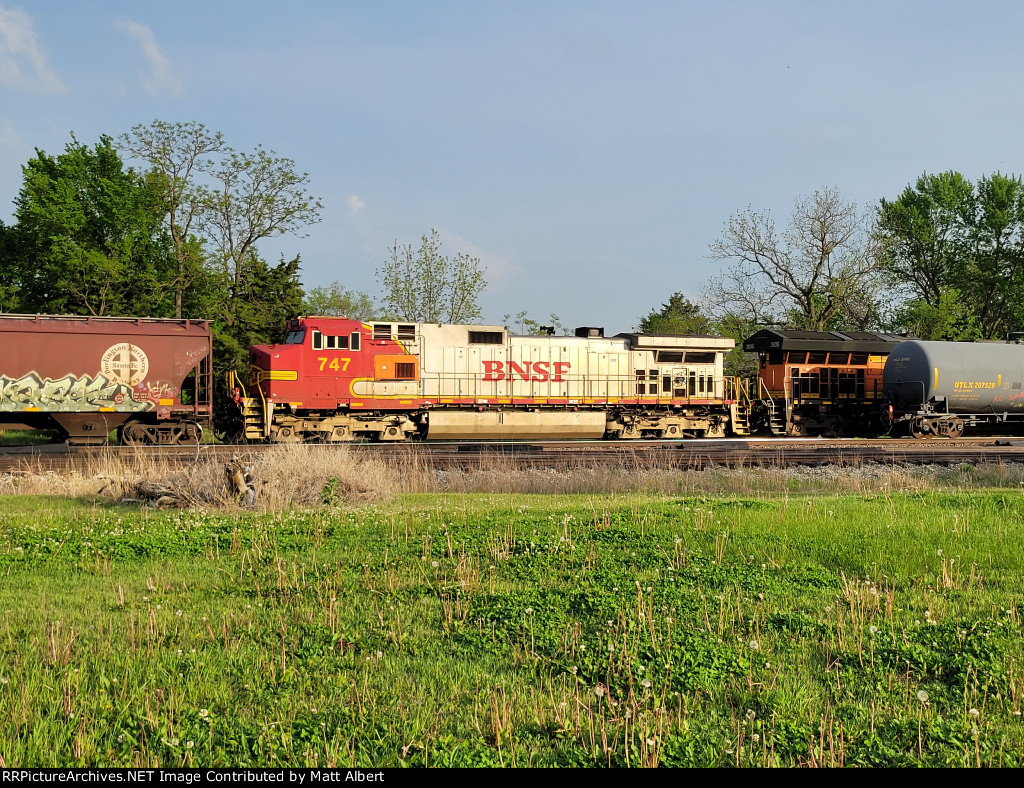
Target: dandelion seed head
[(922, 696)]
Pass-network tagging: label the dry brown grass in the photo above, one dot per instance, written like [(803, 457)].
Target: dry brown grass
[(284, 476), (508, 477), (303, 476)]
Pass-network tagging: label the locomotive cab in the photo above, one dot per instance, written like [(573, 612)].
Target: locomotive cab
[(314, 366)]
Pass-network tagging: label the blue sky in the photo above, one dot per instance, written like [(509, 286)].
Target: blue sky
[(587, 152)]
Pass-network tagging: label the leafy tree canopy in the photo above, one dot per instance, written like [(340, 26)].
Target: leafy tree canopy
[(337, 301), (678, 316), (954, 251), (425, 286), (88, 238)]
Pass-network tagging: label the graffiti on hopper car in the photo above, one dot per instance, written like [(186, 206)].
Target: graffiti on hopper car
[(68, 393)]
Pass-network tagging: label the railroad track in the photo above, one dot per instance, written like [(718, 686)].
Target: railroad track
[(692, 454)]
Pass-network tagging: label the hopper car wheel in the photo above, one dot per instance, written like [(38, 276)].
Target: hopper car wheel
[(134, 435), (190, 434)]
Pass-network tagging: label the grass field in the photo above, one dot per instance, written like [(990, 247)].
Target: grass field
[(878, 626)]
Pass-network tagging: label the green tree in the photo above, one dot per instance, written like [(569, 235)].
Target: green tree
[(219, 204), (923, 235), (88, 237), (175, 153), (813, 274), (252, 196), (951, 319), (425, 286), (678, 316), (945, 234), (337, 301), (10, 258)]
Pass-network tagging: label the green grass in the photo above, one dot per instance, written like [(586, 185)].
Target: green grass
[(26, 437), (479, 630)]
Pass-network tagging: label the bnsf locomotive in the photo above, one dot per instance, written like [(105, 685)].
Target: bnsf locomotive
[(335, 379)]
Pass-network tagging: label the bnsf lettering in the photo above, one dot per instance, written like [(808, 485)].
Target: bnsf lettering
[(533, 371)]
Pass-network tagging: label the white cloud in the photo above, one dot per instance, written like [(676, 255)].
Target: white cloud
[(355, 204), (160, 78), (22, 61)]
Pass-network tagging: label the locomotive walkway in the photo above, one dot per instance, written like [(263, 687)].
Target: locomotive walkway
[(683, 454)]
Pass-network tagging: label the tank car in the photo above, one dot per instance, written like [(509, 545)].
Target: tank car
[(935, 389), (149, 379), (335, 379), (819, 382)]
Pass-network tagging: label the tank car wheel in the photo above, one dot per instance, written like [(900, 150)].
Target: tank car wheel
[(919, 429)]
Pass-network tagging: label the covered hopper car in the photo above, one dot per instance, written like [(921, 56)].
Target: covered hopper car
[(149, 379), (335, 380), (939, 388)]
